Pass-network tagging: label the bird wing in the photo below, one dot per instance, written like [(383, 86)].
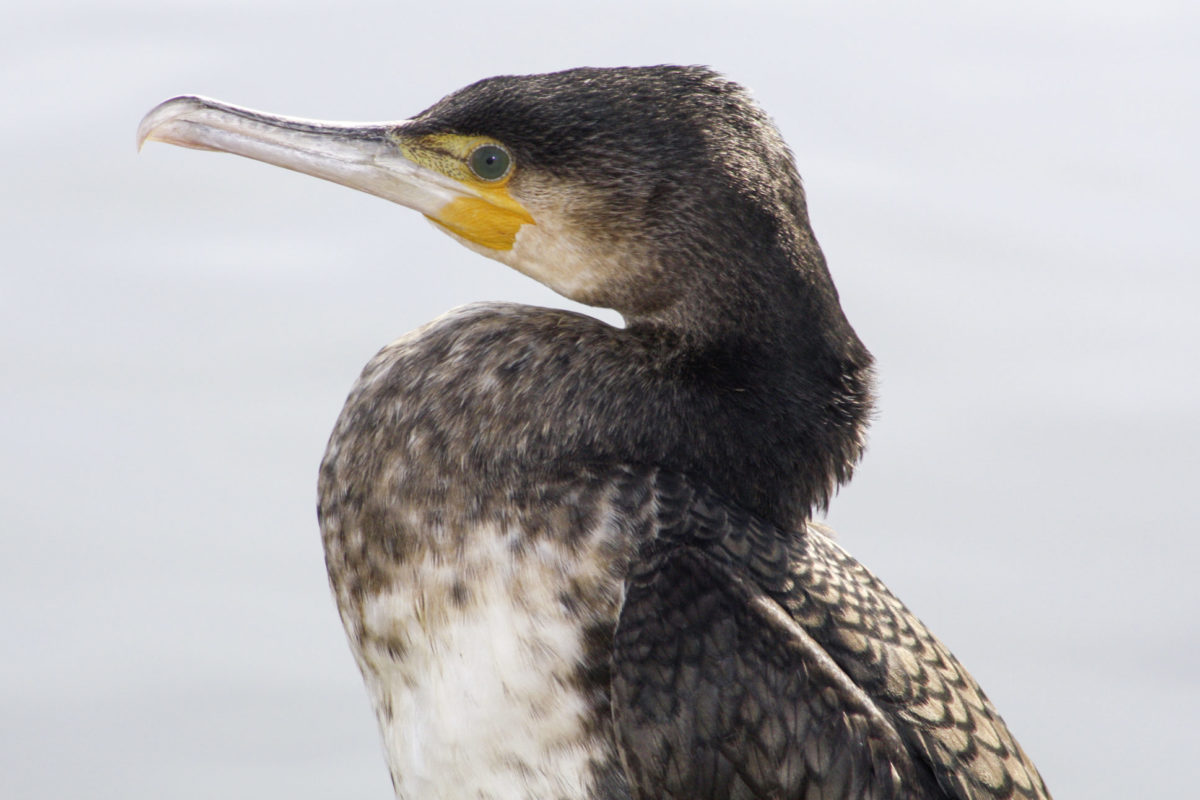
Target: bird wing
[(750, 662)]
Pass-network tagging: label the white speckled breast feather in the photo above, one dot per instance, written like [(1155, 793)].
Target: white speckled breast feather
[(480, 702)]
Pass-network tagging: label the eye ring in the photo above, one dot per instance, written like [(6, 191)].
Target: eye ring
[(490, 162)]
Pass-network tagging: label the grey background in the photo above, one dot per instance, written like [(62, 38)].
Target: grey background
[(1007, 198)]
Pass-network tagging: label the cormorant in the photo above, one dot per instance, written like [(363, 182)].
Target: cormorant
[(575, 560)]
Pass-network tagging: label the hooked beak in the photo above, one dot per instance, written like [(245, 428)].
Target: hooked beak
[(363, 156)]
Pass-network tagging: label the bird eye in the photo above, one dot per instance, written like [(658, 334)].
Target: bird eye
[(490, 162)]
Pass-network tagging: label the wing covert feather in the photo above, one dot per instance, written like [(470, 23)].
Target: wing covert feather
[(751, 662), (719, 694)]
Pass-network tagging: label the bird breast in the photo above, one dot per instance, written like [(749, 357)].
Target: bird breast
[(479, 604), (477, 666)]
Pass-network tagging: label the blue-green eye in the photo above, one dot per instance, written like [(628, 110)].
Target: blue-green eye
[(490, 162)]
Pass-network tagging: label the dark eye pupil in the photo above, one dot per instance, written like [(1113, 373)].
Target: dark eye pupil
[(490, 162)]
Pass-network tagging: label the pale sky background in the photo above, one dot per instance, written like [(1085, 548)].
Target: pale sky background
[(1008, 200)]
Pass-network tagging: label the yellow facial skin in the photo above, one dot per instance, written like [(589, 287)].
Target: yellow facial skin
[(493, 218)]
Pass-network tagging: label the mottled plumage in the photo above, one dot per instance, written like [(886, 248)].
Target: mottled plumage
[(745, 659), (577, 561)]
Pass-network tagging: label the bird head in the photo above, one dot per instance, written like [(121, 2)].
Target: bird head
[(620, 188)]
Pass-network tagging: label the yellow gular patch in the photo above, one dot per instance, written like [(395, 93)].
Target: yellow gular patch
[(493, 218)]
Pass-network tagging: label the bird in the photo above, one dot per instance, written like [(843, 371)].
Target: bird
[(577, 559)]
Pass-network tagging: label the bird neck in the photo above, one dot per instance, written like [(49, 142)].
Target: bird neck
[(778, 384)]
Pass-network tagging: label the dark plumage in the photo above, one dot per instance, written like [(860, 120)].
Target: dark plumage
[(577, 561), (731, 314)]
